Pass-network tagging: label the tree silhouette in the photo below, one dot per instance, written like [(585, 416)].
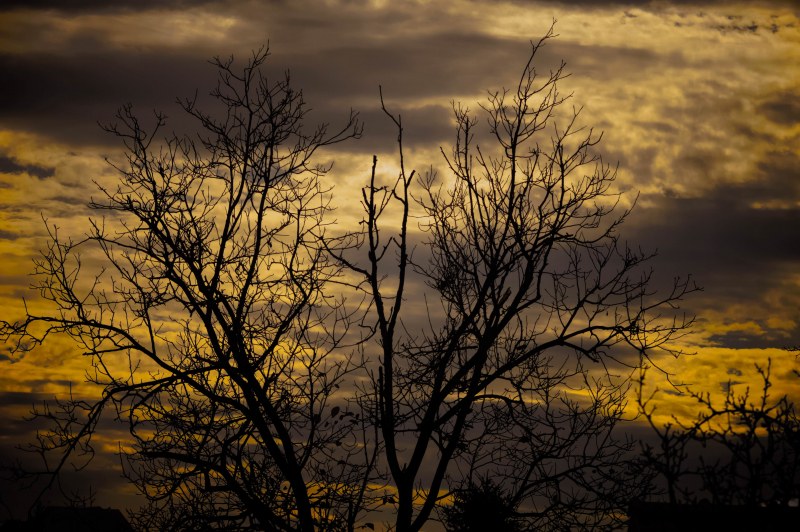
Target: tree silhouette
[(211, 285), (742, 450), (481, 507), (530, 296), (204, 313)]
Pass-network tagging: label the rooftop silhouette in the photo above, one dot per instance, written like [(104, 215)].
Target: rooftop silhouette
[(71, 519), (667, 517)]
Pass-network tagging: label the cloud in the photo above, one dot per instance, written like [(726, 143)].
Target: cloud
[(10, 165), (658, 4), (782, 108), (78, 6), (8, 235), (712, 370), (65, 99), (740, 242)]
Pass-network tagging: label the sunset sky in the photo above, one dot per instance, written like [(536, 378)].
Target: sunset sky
[(699, 103)]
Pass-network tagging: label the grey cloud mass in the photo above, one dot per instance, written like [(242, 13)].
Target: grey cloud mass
[(66, 98), (73, 6), (783, 108), (11, 166)]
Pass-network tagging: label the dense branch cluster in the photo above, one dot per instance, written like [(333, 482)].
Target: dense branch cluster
[(213, 290), (537, 296), (743, 450), (252, 395)]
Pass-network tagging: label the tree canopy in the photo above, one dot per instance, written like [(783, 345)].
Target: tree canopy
[(276, 372)]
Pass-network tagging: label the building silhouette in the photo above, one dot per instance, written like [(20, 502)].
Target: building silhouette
[(71, 519), (666, 517)]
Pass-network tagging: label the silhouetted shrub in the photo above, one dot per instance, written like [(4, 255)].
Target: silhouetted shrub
[(481, 508)]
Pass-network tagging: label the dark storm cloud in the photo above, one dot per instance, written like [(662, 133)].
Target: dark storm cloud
[(64, 94), (451, 67), (19, 399), (606, 63), (68, 200), (441, 65), (426, 126), (9, 165), (782, 108), (82, 6), (65, 98), (781, 179), (8, 235), (746, 340), (599, 4), (738, 240), (721, 235), (449, 64)]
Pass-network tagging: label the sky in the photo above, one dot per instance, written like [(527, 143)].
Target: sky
[(698, 102)]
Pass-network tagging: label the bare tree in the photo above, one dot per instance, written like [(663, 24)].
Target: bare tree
[(207, 320), (213, 293), (741, 450), (532, 299)]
